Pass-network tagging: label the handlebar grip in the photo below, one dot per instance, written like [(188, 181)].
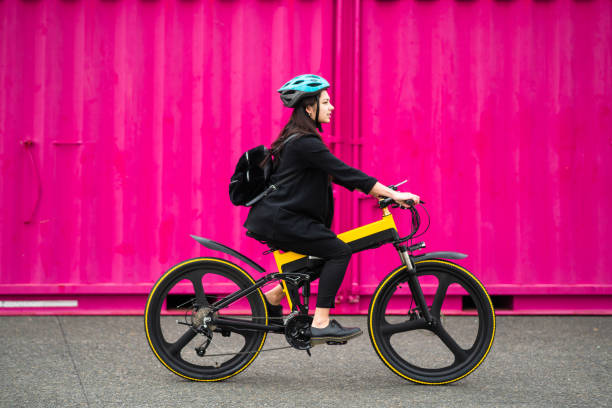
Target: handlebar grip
[(385, 202)]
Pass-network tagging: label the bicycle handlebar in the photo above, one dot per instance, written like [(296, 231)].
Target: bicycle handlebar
[(416, 219), (385, 202)]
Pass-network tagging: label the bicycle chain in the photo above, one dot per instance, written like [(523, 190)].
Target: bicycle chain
[(246, 352), (249, 352)]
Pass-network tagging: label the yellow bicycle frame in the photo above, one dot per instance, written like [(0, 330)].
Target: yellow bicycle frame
[(360, 238)]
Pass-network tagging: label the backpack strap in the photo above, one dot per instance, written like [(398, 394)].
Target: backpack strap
[(273, 187)]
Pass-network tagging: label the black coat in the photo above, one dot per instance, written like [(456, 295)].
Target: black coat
[(303, 208)]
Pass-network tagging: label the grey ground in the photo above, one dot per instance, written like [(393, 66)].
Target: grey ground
[(95, 361)]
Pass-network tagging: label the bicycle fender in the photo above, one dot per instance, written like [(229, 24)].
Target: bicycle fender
[(439, 255), (215, 246)]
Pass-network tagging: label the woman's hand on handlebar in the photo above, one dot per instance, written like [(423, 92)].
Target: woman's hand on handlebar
[(380, 190), (405, 200)]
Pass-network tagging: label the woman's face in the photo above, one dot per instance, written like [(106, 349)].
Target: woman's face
[(325, 108)]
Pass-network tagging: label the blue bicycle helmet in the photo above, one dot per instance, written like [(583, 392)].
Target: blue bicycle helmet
[(303, 85)]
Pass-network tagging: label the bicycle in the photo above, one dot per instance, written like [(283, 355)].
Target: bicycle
[(226, 319)]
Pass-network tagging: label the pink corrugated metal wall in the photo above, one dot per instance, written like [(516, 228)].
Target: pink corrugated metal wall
[(500, 116), (120, 123)]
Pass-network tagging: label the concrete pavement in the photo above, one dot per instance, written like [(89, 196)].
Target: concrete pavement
[(101, 361)]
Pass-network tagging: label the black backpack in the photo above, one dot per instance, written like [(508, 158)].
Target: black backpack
[(250, 181)]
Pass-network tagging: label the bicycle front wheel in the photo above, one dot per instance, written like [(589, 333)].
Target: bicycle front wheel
[(439, 353), (176, 313)]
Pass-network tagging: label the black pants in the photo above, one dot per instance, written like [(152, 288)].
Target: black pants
[(336, 254)]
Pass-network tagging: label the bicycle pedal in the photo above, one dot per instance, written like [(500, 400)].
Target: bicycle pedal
[(336, 343)]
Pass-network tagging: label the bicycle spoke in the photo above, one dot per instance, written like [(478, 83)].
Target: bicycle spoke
[(177, 346), (443, 284), (196, 280), (459, 353), (391, 329)]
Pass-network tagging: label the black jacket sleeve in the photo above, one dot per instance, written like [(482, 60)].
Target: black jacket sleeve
[(315, 154)]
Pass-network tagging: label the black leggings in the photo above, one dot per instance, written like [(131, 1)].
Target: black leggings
[(337, 255)]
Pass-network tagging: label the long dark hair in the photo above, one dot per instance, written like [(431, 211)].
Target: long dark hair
[(299, 124)]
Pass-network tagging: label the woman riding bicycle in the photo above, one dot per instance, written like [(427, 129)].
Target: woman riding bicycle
[(298, 216)]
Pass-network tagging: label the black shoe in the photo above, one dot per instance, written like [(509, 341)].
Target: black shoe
[(275, 313), (334, 333)]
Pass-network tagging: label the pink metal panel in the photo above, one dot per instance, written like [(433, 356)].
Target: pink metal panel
[(138, 112), (497, 112)]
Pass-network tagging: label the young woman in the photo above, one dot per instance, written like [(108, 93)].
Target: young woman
[(297, 216)]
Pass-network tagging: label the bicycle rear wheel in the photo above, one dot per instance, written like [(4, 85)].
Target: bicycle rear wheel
[(448, 350), (175, 312)]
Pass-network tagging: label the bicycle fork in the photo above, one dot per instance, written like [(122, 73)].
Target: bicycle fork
[(413, 282)]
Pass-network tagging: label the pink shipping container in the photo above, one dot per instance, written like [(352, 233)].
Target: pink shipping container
[(121, 121)]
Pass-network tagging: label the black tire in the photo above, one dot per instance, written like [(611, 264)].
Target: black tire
[(178, 295), (445, 352)]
